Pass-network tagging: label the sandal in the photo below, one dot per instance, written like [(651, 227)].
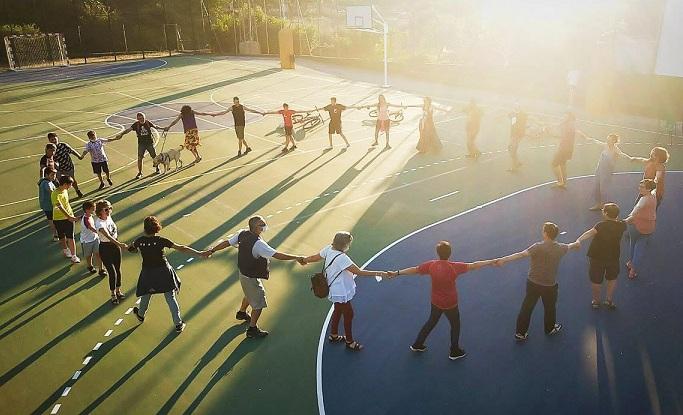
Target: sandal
[(632, 274), (335, 338), (610, 305), (595, 304), (354, 345), (114, 299)]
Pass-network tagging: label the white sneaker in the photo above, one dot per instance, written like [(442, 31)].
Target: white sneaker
[(75, 259), (66, 252)]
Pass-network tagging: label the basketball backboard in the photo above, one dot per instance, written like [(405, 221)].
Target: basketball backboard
[(359, 17)]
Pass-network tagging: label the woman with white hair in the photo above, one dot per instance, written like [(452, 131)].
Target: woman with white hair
[(340, 271)]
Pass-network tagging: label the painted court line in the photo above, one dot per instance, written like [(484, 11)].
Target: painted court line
[(180, 266), (323, 337), (76, 375), (443, 196), (108, 333), (87, 360), (66, 391), (119, 321), (56, 409), (130, 310)]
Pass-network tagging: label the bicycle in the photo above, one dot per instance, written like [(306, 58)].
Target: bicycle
[(308, 121), (395, 116)]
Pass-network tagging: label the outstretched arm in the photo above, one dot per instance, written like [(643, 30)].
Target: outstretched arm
[(185, 248), (513, 257), (480, 264), (173, 123), (312, 258), (404, 271), (587, 235), (219, 247), (365, 273), (124, 132), (289, 257)]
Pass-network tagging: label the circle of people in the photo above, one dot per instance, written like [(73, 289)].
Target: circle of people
[(101, 247)]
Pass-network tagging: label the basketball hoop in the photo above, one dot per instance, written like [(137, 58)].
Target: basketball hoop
[(368, 19)]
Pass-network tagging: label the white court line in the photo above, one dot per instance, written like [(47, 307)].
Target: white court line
[(443, 196), (66, 391), (323, 332), (87, 360), (138, 301), (180, 266), (97, 346), (76, 375), (119, 321), (108, 333), (130, 310), (56, 409)]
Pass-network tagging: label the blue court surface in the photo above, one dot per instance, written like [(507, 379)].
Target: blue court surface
[(627, 361), (76, 72)]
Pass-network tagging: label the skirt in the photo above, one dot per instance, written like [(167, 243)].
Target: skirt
[(157, 280), (192, 139)]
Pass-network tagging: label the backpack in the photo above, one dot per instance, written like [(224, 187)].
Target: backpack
[(319, 284)]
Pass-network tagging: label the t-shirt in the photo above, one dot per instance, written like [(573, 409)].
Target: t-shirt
[(144, 132), (109, 225), (46, 161), (443, 274), (261, 248), (96, 150), (545, 260), (45, 189), (238, 115), (335, 112), (60, 196), (606, 243), (341, 281), (88, 235), (644, 214), (287, 115), (152, 250), (63, 156)]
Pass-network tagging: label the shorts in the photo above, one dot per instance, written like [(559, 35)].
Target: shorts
[(69, 173), (90, 248), (101, 167), (65, 229), (335, 128), (289, 130), (383, 125), (561, 157), (149, 148), (48, 214), (239, 131), (600, 269), (254, 292)]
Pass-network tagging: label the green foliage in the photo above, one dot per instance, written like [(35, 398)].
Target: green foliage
[(19, 29)]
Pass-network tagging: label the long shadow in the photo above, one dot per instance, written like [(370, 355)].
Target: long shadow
[(86, 286), (83, 323), (104, 349), (210, 87), (55, 276), (225, 339), (27, 221), (244, 348), (140, 365)]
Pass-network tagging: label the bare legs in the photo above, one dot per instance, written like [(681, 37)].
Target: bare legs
[(560, 171)]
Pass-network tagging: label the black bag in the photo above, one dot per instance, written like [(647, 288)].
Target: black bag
[(319, 284)]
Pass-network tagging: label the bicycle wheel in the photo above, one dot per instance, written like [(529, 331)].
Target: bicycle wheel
[(297, 118), (397, 117), (373, 113)]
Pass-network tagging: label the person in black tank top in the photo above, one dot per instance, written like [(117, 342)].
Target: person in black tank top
[(603, 254), (157, 276), (239, 117)]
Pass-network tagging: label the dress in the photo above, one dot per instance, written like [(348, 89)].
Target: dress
[(191, 132), (429, 139), (603, 175)]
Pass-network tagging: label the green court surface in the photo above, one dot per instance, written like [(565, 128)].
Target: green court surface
[(52, 314)]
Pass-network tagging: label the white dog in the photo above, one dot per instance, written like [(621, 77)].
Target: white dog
[(165, 158)]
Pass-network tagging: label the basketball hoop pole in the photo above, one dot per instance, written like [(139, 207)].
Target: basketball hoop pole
[(385, 32)]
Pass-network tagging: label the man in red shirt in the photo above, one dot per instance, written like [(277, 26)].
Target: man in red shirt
[(289, 125), (444, 295)]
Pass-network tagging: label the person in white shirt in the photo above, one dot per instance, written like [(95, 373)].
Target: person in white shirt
[(110, 248), (90, 240), (341, 271), (253, 261)]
